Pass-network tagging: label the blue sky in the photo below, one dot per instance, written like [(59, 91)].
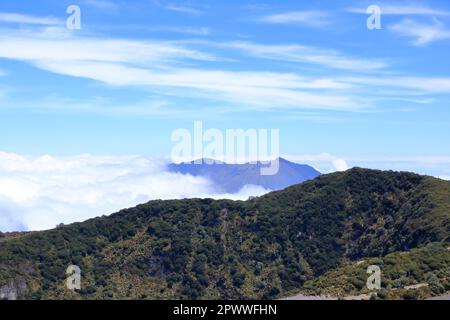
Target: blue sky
[(137, 70)]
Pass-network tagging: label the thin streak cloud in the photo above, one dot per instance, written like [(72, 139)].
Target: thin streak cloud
[(6, 17), (404, 10), (308, 18)]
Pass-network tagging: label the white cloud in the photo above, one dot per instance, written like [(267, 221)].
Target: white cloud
[(28, 19), (404, 10), (306, 54), (422, 84), (196, 31), (266, 90), (170, 68), (309, 18), (155, 64), (340, 165), (432, 165), (373, 158), (421, 33), (430, 159), (61, 46), (39, 192), (445, 177), (243, 194), (323, 162), (183, 9), (9, 216), (103, 106)]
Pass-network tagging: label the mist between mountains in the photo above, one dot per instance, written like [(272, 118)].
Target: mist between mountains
[(215, 146)]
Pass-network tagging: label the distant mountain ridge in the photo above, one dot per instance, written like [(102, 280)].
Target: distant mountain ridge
[(231, 178)]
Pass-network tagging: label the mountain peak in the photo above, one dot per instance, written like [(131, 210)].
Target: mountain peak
[(230, 178)]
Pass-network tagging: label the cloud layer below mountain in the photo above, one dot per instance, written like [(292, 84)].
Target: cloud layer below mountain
[(39, 192)]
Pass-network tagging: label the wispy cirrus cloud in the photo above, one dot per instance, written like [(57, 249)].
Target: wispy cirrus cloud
[(265, 90), (157, 65), (6, 17), (169, 66), (417, 84), (196, 31), (389, 9), (307, 54), (311, 18), (61, 45), (184, 9), (421, 33), (102, 106)]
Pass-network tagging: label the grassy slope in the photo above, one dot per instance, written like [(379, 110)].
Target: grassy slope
[(419, 273)]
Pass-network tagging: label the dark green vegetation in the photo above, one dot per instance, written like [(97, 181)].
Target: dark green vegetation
[(266, 247), (416, 274)]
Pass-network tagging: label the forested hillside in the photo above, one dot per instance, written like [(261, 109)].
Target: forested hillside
[(265, 247)]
